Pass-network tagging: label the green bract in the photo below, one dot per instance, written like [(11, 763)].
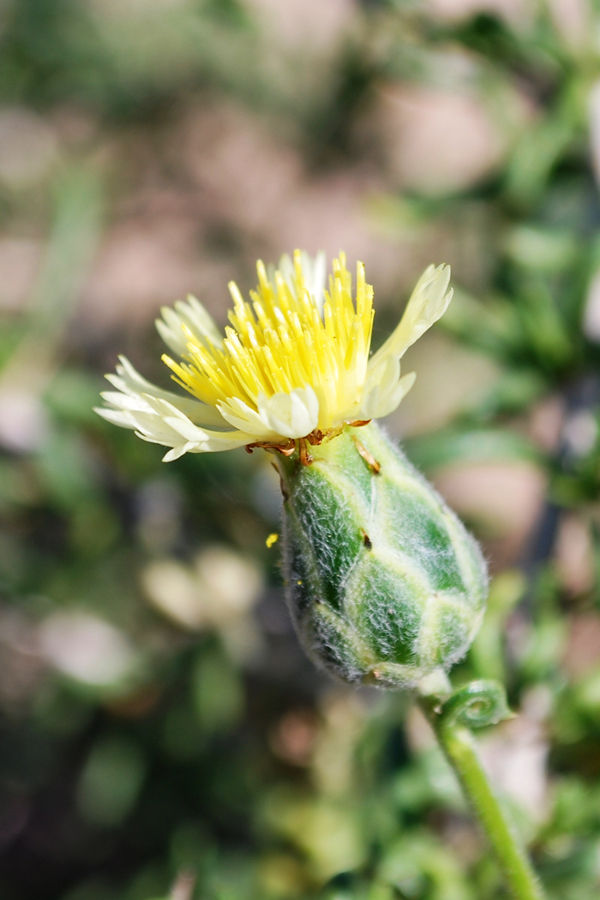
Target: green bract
[(384, 583)]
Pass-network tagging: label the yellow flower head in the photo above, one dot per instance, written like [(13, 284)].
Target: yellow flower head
[(293, 365)]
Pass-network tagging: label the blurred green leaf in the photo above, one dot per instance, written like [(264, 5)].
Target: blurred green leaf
[(470, 445), (111, 781)]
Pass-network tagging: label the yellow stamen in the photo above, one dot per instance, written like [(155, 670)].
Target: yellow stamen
[(280, 342)]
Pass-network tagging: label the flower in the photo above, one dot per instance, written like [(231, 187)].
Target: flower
[(292, 369)]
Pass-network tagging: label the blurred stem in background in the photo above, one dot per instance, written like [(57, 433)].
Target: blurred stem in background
[(72, 243)]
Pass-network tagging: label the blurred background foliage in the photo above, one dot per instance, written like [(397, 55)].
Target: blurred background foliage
[(161, 734)]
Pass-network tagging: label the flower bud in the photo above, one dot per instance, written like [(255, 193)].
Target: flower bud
[(384, 583)]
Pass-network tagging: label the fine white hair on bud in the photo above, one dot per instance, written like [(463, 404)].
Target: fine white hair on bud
[(384, 583)]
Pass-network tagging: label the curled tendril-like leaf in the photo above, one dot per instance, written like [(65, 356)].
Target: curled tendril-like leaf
[(476, 705)]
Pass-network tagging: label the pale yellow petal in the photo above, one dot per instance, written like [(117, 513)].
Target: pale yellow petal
[(292, 415), (429, 301), (241, 416), (188, 320), (384, 389)]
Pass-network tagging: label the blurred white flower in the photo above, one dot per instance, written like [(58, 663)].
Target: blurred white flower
[(216, 591), (86, 648), (23, 418)]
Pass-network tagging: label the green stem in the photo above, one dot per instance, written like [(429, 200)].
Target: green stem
[(459, 748)]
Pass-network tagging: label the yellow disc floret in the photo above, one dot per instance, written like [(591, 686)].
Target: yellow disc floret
[(283, 341), (292, 368)]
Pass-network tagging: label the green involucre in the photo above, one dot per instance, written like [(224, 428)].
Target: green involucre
[(384, 583)]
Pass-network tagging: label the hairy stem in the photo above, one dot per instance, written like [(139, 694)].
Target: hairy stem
[(449, 721)]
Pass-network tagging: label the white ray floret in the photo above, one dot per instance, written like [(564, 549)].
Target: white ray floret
[(293, 363)]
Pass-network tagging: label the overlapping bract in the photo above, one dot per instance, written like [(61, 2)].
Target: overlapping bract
[(293, 362), (384, 584)]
